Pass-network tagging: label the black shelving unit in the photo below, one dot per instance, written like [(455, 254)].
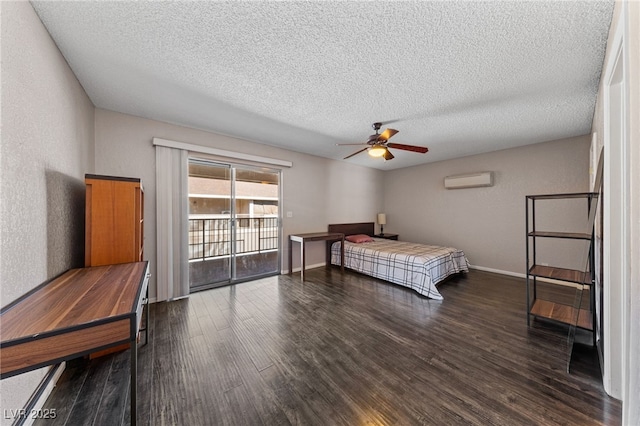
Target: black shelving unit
[(572, 308)]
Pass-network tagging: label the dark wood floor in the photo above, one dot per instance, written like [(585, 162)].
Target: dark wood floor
[(344, 349)]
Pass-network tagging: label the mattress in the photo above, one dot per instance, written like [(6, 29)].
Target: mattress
[(416, 266)]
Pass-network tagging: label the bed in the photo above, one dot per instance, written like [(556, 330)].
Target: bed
[(416, 266)]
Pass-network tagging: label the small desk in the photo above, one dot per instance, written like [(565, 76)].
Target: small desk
[(303, 239), (82, 311)]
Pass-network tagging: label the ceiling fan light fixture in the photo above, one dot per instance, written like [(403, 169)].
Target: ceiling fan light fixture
[(377, 151)]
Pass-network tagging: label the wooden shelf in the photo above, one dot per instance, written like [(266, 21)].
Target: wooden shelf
[(562, 313), (570, 235), (562, 274)]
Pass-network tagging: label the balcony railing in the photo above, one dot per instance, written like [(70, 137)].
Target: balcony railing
[(211, 237)]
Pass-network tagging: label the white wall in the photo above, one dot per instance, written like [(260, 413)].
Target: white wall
[(318, 191), (47, 147), (622, 373), (631, 408), (488, 223)]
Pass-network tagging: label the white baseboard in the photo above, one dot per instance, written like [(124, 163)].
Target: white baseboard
[(45, 388), (497, 271), (307, 267), (479, 268)]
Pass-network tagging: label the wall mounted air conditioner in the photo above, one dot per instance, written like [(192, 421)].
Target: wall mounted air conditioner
[(471, 180)]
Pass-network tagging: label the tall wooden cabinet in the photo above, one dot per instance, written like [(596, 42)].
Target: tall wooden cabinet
[(114, 220), (114, 225)]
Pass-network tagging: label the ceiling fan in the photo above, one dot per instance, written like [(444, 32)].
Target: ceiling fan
[(378, 144)]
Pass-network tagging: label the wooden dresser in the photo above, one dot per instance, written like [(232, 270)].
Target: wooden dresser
[(114, 220)]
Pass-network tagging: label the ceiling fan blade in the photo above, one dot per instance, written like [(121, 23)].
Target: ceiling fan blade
[(412, 148), (384, 136), (357, 152), (387, 155)]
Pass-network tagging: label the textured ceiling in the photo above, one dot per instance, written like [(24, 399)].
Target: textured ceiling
[(458, 77)]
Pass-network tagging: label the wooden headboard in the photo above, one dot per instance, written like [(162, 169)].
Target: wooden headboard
[(349, 229), (353, 228)]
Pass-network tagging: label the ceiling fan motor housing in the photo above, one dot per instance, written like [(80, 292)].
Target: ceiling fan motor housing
[(374, 138)]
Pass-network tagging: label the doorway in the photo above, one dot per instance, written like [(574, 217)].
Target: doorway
[(234, 223)]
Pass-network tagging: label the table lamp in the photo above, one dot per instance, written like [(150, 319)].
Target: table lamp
[(382, 220)]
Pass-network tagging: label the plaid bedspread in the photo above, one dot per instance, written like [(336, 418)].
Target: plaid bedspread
[(417, 266)]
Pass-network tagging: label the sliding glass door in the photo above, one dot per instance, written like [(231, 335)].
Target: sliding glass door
[(257, 230), (234, 223), (210, 228)]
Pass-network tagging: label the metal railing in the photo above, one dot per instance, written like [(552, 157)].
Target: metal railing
[(211, 237)]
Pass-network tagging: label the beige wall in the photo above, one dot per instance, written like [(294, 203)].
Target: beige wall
[(318, 191), (47, 147), (488, 223)]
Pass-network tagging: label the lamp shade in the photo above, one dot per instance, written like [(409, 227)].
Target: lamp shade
[(377, 151), (382, 219)]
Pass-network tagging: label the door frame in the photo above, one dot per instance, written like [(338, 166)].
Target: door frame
[(233, 168), (616, 219)]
